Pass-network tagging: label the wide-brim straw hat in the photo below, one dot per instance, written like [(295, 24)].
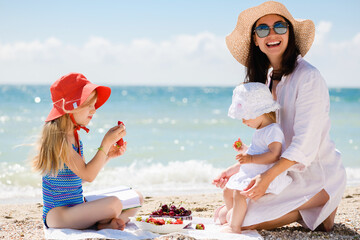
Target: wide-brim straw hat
[(72, 90), (238, 42)]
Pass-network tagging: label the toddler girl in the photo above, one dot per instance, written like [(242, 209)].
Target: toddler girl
[(253, 103), (61, 161)]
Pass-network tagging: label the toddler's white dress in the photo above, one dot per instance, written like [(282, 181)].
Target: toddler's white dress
[(261, 139)]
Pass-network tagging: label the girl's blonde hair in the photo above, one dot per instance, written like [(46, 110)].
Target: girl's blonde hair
[(271, 115), (54, 147)]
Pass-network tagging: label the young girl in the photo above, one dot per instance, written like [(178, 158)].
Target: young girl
[(61, 161), (253, 103)]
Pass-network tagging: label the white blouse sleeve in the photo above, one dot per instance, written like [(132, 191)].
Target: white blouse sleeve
[(311, 109)]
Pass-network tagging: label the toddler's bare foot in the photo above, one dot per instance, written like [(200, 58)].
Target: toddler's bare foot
[(115, 223), (222, 215), (229, 229)]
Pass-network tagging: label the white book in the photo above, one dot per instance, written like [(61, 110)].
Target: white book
[(128, 197)]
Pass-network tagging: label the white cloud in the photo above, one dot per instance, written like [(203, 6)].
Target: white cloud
[(322, 30), (200, 59), (337, 61)]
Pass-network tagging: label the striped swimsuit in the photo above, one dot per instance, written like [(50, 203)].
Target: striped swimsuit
[(63, 190)]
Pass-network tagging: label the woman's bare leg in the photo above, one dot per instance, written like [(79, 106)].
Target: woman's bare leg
[(318, 200), (328, 224)]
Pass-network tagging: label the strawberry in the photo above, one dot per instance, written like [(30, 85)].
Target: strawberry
[(237, 145), (200, 226), (178, 221), (120, 143), (160, 221)]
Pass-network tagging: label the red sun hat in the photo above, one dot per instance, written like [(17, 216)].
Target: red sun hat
[(72, 90)]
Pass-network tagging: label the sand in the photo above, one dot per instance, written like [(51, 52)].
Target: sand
[(24, 221)]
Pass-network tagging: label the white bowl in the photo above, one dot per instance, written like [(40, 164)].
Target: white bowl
[(166, 228)]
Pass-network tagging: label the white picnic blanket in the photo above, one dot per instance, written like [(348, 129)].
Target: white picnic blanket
[(132, 232)]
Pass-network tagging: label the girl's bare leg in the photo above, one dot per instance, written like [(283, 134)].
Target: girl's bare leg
[(121, 220), (126, 214), (318, 200), (113, 223), (86, 214)]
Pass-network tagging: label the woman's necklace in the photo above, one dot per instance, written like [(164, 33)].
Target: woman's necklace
[(275, 79)]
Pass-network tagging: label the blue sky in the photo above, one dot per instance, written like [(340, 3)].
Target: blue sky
[(158, 42)]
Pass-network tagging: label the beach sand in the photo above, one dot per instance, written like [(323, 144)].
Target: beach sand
[(24, 221)]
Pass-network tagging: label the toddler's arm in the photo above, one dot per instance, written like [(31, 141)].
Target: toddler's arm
[(271, 156), (221, 180)]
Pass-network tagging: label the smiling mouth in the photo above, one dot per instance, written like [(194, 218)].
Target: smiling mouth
[(273, 44)]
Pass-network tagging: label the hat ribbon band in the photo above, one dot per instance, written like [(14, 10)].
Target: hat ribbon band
[(77, 127)]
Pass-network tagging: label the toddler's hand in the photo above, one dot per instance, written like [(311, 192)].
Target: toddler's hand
[(221, 180), (244, 158)]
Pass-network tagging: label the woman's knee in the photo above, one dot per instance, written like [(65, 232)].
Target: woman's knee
[(320, 199)]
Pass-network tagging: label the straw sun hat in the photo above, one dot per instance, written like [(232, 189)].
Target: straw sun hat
[(238, 42)]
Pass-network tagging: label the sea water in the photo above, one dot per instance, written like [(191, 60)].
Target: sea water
[(179, 138)]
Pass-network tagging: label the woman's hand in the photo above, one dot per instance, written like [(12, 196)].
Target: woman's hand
[(221, 180), (244, 158), (257, 187)]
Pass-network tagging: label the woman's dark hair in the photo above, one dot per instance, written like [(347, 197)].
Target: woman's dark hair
[(258, 64)]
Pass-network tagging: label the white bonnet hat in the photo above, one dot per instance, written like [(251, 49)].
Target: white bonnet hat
[(251, 100)]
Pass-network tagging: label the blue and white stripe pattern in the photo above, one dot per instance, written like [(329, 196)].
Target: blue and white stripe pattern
[(63, 190)]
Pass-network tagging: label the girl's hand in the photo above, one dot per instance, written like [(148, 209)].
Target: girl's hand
[(257, 187), (113, 135), (116, 151), (221, 180), (244, 158)]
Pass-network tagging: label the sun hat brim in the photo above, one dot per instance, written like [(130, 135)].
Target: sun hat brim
[(251, 100), (238, 41), (79, 97)]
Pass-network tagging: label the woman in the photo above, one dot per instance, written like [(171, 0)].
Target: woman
[(270, 43)]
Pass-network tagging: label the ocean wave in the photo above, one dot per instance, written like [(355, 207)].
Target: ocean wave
[(18, 184)]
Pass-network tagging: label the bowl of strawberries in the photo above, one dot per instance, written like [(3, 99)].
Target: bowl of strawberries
[(159, 224)]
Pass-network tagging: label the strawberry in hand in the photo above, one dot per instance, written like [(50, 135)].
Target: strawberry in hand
[(238, 145), (120, 143)]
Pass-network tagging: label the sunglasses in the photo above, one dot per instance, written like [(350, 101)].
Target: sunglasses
[(263, 30)]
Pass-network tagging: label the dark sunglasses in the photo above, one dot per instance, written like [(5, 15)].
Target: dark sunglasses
[(263, 30)]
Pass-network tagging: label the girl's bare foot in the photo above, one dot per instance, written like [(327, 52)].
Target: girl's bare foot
[(115, 223)]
